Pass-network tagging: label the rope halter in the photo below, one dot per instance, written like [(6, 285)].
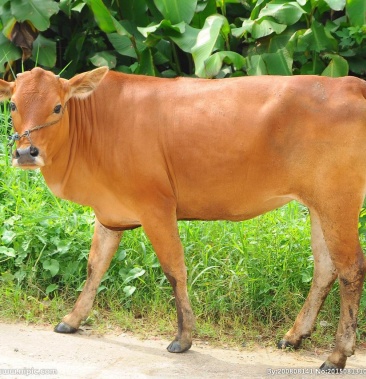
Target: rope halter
[(16, 137)]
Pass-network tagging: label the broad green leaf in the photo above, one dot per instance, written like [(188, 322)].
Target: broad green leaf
[(8, 26), (182, 34), (101, 288), (281, 41), (337, 66), (214, 63), (165, 26), (258, 28), (8, 251), (106, 22), (103, 58), (163, 52), (78, 8), (38, 12), (102, 15), (122, 44), (8, 236), (8, 52), (204, 9), (317, 39), (266, 27), (51, 288), (356, 12), (306, 277), (278, 63), (206, 41), (243, 30), (119, 28), (63, 246), (273, 56), (52, 266), (133, 274), (177, 10), (44, 51), (65, 6), (169, 74), (121, 255), (256, 9), (136, 11), (187, 39), (256, 65), (287, 13), (153, 10), (146, 63), (68, 5), (313, 67), (336, 5), (129, 290)]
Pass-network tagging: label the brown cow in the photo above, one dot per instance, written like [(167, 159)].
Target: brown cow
[(144, 151)]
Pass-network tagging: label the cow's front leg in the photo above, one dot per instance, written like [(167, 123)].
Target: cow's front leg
[(104, 244), (162, 230), (324, 276)]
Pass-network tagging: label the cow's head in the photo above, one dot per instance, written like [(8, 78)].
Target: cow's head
[(38, 105)]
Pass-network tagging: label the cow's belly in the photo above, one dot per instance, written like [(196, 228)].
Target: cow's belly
[(238, 187), (231, 209)]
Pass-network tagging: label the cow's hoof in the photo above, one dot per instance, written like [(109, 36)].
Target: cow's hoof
[(284, 344), (62, 327), (178, 347), (330, 368)]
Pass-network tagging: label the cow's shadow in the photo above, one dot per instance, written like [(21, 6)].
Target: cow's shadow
[(197, 363)]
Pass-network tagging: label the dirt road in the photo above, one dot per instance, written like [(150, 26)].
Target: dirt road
[(30, 349)]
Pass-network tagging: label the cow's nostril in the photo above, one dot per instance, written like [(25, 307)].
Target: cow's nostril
[(17, 155), (34, 151)]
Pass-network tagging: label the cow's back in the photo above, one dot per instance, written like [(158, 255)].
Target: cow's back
[(241, 147)]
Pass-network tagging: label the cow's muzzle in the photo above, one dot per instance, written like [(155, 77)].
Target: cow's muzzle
[(27, 157)]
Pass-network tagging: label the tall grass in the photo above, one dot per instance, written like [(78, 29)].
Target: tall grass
[(244, 279)]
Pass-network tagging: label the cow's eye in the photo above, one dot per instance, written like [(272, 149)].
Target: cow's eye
[(57, 108), (12, 106)]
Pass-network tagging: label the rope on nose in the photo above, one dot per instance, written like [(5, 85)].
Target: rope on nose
[(16, 137)]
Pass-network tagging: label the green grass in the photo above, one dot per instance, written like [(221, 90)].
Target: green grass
[(246, 281)]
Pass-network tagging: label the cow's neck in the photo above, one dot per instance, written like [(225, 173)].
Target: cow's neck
[(76, 164)]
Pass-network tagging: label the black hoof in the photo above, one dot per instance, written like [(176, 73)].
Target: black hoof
[(62, 327), (284, 344), (330, 368), (177, 347)]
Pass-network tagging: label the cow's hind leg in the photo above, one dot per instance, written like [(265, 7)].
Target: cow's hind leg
[(104, 245), (162, 230), (324, 276), (339, 221)]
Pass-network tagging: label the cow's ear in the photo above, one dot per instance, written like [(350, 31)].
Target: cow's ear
[(82, 85), (6, 90)]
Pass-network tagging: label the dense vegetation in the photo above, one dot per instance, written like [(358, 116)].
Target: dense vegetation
[(207, 38), (245, 278)]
